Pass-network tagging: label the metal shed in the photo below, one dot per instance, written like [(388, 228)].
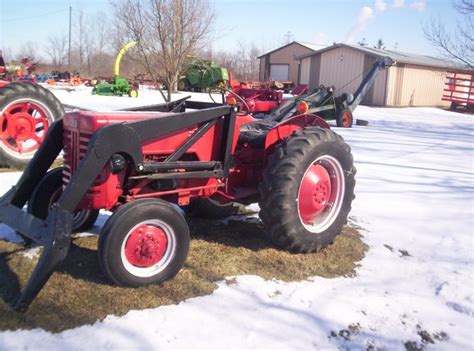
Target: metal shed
[(414, 80), (281, 63)]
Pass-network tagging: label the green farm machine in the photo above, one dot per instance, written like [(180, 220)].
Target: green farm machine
[(202, 75), (119, 86)]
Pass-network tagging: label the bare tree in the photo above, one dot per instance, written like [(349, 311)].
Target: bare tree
[(28, 49), (167, 31), (458, 45), (243, 62), (57, 50), (101, 29)]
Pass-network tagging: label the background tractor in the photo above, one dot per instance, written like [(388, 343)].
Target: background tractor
[(141, 165), (202, 75), (27, 111), (119, 85)]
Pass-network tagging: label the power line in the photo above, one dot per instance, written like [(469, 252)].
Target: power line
[(35, 16)]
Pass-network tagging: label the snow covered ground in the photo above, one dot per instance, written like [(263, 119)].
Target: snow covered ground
[(415, 202), (81, 97)]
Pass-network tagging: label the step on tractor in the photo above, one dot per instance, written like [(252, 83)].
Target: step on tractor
[(27, 111), (119, 86), (321, 101), (143, 165)]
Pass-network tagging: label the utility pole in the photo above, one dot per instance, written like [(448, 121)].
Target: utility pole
[(69, 51), (289, 37)]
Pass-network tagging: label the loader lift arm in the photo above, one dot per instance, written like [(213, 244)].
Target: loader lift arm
[(368, 81), (323, 102), (54, 233)]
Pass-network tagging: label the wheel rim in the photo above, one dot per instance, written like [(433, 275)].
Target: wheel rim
[(23, 126), (78, 217), (346, 119), (321, 194), (148, 248)]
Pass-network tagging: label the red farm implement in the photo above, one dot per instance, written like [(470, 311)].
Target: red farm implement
[(143, 165), (459, 89), (256, 100), (321, 101)]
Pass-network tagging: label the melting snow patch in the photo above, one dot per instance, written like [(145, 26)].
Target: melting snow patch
[(32, 253)]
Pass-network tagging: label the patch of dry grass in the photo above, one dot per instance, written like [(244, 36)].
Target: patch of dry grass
[(79, 294)]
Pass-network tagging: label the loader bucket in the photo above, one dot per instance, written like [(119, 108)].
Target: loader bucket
[(52, 233)]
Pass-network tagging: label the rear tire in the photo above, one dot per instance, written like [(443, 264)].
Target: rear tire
[(16, 150), (48, 192), (144, 242), (344, 118), (211, 209), (307, 190), (184, 85)]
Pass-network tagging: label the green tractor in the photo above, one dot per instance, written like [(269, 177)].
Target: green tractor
[(202, 75), (119, 86)]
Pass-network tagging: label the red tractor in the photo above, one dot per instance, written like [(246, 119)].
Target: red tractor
[(26, 113), (256, 100), (142, 166)]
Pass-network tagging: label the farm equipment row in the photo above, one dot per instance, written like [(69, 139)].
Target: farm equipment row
[(137, 164)]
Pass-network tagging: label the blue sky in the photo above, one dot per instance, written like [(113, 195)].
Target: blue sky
[(264, 22)]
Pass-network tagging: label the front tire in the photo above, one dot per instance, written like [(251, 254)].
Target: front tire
[(144, 242), (26, 112), (307, 190), (48, 192)]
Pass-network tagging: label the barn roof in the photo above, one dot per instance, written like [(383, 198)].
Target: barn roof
[(398, 56), (311, 46)]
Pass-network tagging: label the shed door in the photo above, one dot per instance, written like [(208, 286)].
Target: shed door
[(279, 72)]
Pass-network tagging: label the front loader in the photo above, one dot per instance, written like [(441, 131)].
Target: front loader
[(140, 165)]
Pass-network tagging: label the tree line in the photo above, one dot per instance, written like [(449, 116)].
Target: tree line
[(169, 33)]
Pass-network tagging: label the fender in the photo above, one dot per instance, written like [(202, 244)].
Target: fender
[(291, 125)]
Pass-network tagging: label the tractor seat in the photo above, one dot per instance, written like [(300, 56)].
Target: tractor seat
[(254, 133)]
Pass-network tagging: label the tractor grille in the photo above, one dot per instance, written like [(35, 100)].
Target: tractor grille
[(75, 147)]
